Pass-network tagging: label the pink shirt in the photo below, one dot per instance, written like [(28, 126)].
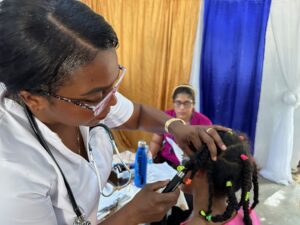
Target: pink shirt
[(238, 219), (167, 151)]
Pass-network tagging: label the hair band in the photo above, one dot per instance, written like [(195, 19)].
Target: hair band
[(180, 168), (247, 196), (244, 157), (208, 218), (230, 132), (242, 138), (183, 85), (188, 181), (228, 183), (202, 213)]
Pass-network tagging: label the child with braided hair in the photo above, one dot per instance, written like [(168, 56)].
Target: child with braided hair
[(215, 183)]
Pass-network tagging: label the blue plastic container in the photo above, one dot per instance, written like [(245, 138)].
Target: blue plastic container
[(140, 165)]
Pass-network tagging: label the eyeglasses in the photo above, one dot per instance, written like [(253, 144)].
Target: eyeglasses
[(98, 108), (186, 104)]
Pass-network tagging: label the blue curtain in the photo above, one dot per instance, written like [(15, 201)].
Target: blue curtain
[(232, 61)]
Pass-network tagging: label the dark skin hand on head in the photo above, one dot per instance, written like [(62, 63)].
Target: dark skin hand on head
[(101, 73), (49, 50)]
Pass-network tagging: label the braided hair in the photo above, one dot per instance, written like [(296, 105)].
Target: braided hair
[(233, 170)]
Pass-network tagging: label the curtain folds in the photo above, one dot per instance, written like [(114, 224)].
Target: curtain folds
[(275, 150), (156, 46), (232, 61)]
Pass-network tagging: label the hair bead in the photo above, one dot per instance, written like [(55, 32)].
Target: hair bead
[(180, 168), (208, 218), (247, 196), (244, 157), (203, 213), (230, 132), (228, 183), (188, 181)]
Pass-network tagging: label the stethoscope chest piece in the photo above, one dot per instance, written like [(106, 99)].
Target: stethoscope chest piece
[(81, 221)]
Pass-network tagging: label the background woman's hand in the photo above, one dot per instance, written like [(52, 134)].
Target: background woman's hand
[(190, 138), (149, 205)]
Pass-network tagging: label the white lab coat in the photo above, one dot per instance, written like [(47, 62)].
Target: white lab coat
[(32, 190)]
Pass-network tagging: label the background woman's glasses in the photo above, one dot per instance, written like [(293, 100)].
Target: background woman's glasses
[(185, 104)]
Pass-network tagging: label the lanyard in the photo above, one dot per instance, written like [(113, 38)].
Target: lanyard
[(80, 218)]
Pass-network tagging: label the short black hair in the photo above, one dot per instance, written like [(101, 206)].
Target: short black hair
[(43, 41)]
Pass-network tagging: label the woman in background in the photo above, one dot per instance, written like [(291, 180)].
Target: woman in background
[(183, 100)]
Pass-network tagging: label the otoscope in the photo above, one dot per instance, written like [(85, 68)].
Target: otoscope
[(179, 177), (188, 164), (176, 181)]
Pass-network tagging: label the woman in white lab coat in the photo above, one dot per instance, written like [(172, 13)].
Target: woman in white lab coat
[(59, 74)]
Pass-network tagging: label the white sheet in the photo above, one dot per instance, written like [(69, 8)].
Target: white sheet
[(275, 151)]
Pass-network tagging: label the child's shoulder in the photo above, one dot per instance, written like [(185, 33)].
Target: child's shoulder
[(238, 218)]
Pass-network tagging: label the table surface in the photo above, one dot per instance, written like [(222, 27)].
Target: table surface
[(119, 198)]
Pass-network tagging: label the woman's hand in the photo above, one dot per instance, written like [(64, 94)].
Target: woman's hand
[(190, 138), (149, 205)]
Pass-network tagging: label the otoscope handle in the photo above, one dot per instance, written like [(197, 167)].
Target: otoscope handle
[(175, 182)]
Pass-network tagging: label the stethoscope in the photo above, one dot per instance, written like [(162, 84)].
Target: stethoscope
[(116, 150), (80, 219)]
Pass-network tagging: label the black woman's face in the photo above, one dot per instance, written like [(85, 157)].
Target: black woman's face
[(88, 84)]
